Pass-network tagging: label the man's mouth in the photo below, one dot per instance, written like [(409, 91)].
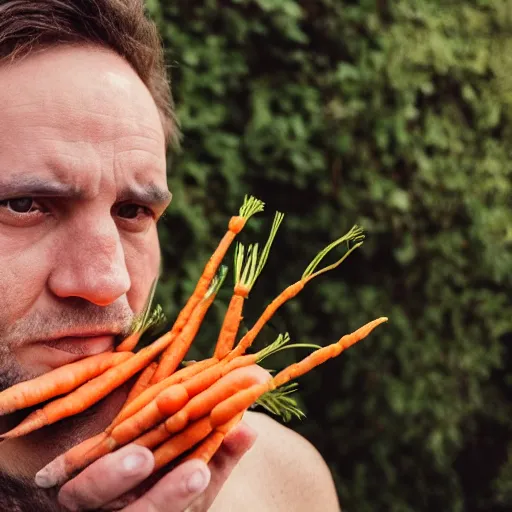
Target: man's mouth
[(82, 345), (65, 350)]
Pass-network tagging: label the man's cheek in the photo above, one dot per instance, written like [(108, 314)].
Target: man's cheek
[(143, 264), (23, 278), (14, 296)]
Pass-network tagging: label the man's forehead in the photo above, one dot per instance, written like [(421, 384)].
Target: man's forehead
[(70, 118), (72, 81)]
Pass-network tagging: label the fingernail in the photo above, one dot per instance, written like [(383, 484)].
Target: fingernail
[(197, 482), (134, 462)]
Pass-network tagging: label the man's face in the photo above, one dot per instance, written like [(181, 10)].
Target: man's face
[(82, 184)]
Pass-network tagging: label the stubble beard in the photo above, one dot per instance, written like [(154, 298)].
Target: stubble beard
[(44, 324), (18, 493)]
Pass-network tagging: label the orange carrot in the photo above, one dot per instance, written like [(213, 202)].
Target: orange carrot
[(250, 207), (320, 356), (132, 428), (193, 386), (141, 384), (239, 402), (152, 391), (179, 444), (57, 382), (175, 353), (78, 460), (198, 377), (91, 392), (87, 452), (61, 468), (245, 279), (206, 378), (202, 404), (231, 323), (242, 400), (153, 437), (175, 398), (166, 403), (287, 294), (129, 343), (209, 447), (355, 234)]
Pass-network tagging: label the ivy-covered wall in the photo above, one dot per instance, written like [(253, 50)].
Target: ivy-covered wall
[(392, 114)]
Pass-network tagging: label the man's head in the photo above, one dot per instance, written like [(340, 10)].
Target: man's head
[(26, 26), (85, 118)]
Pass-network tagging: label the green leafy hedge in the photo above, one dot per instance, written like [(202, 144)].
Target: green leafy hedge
[(394, 115)]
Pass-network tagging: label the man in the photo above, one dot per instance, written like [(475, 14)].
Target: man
[(85, 119)]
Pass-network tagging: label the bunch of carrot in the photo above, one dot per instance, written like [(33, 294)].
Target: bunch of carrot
[(177, 411)]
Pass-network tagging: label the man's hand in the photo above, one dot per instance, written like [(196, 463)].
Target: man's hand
[(191, 486)]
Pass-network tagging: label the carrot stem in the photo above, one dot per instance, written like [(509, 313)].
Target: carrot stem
[(143, 322)]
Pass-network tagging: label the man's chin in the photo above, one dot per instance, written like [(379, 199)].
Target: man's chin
[(11, 376)]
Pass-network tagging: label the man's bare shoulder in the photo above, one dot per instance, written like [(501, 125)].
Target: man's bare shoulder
[(282, 472)]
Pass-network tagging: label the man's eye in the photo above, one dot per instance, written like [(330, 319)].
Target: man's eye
[(19, 205), (132, 211)]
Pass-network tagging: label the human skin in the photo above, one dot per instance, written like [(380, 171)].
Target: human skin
[(82, 186)]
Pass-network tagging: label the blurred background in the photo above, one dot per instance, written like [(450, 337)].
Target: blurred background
[(395, 115)]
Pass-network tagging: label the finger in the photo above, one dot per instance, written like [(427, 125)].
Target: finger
[(107, 478), (176, 491), (236, 444)]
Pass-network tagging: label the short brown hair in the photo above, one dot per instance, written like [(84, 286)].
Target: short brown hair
[(120, 25)]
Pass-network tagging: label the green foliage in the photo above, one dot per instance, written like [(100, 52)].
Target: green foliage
[(395, 116)]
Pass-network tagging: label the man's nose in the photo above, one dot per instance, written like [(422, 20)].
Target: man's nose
[(91, 264)]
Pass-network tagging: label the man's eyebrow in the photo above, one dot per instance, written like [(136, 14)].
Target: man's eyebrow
[(34, 186), (148, 194)]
